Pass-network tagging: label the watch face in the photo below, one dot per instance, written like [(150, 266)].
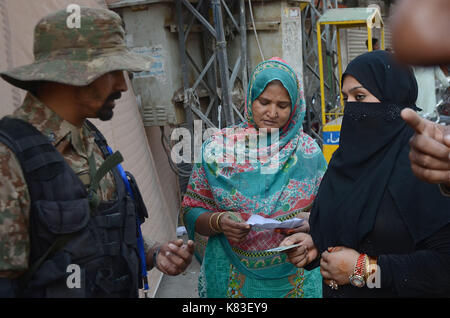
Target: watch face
[(357, 281)]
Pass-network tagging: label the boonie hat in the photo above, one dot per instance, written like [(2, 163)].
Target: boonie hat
[(77, 55)]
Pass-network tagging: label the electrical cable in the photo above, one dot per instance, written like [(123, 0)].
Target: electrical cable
[(254, 29), (165, 143)]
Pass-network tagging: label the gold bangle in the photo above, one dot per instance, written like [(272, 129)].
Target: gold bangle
[(217, 221), (371, 266), (210, 225), (367, 267)]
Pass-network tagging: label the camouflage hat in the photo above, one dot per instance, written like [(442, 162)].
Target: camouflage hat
[(77, 56)]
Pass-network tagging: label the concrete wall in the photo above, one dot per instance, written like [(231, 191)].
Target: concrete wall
[(283, 40)]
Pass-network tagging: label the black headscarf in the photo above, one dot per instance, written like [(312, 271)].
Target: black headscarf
[(373, 157)]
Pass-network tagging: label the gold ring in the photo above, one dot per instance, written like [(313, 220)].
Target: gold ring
[(333, 285)]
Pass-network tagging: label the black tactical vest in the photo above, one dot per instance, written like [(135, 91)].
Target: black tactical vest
[(101, 243)]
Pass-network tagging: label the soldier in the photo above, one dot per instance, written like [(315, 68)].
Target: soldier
[(63, 201)]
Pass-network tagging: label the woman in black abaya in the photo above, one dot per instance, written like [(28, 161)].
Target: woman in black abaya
[(376, 229)]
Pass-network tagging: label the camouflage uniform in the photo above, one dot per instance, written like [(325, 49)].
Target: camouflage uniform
[(75, 144), (77, 57)]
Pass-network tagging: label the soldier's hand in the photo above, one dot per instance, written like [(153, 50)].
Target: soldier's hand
[(430, 149), (174, 257)]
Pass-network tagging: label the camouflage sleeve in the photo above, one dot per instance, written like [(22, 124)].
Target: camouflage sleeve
[(14, 216)]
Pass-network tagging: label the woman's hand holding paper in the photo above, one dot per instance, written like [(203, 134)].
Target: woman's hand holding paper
[(302, 255)]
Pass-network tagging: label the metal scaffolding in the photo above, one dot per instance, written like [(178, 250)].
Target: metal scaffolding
[(215, 74), (310, 15), (218, 19)]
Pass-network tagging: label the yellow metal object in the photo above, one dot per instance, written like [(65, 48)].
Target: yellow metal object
[(341, 19), (328, 151), (355, 23), (331, 135), (303, 5)]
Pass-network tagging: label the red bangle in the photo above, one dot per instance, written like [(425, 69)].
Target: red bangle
[(359, 268)]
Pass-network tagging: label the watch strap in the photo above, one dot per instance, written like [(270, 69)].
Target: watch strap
[(155, 256), (358, 278), (360, 265)]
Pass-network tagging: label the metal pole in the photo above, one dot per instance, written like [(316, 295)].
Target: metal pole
[(322, 91), (182, 47), (338, 39), (223, 62), (243, 30), (369, 39), (211, 74)]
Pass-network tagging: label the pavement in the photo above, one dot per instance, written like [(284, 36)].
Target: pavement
[(183, 285)]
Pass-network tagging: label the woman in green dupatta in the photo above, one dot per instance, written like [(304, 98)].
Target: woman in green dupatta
[(266, 166)]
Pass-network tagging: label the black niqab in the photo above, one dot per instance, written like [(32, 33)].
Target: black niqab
[(373, 157)]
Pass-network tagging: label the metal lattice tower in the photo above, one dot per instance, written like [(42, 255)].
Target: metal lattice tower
[(310, 15), (216, 74)]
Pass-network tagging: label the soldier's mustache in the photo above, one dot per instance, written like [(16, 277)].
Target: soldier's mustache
[(114, 96)]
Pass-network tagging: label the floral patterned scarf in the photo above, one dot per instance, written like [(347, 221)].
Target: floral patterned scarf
[(277, 178)]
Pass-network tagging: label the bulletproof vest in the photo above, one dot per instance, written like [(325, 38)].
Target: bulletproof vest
[(100, 256)]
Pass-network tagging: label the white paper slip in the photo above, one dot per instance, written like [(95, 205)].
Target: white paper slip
[(266, 223), (282, 248), (181, 230)]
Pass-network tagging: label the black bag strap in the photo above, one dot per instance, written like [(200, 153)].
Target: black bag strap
[(21, 136), (57, 245), (100, 140), (140, 205)]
